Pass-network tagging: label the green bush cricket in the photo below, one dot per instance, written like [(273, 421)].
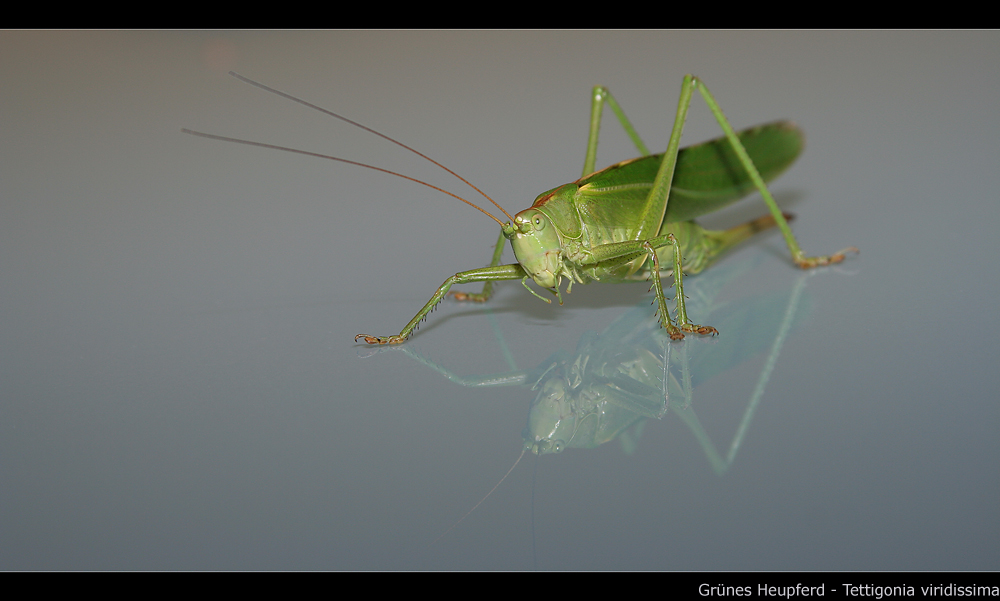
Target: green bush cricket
[(619, 223)]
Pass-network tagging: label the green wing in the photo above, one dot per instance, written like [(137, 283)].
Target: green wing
[(708, 175)]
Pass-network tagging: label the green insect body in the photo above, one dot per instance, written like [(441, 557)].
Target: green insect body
[(620, 223), (553, 239)]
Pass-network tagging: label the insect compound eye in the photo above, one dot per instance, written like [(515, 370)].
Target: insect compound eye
[(539, 222), (558, 446)]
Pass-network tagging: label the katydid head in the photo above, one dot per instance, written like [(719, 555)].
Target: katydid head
[(552, 420), (537, 246)]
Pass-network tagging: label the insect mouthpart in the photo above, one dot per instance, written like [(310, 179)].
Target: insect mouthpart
[(545, 446)]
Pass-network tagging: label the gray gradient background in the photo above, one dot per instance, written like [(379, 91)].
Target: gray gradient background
[(180, 389)]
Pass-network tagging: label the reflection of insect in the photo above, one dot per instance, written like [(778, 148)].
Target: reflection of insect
[(618, 379), (622, 376), (618, 224), (615, 380)]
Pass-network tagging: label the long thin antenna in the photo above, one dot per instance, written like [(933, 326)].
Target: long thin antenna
[(332, 158), (368, 129), (450, 528)]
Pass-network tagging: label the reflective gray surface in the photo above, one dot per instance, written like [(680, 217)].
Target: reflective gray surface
[(180, 385)]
